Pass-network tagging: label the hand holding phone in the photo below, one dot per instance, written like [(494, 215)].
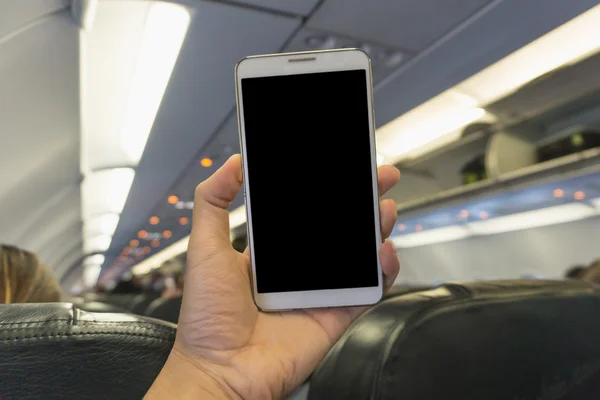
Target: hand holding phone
[(310, 114), (225, 347)]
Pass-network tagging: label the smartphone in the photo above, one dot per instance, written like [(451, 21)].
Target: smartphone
[(307, 139)]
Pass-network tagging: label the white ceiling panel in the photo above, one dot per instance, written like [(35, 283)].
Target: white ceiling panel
[(18, 14), (39, 132), (199, 97), (298, 7), (409, 24)]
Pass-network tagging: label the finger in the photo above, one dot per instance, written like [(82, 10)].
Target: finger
[(390, 265), (210, 221), (387, 209), (387, 177)]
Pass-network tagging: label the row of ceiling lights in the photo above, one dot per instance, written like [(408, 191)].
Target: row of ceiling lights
[(154, 220), (464, 214)]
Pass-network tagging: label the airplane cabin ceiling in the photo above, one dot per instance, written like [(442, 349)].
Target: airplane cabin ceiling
[(39, 129), (440, 46), (411, 25), (298, 7)]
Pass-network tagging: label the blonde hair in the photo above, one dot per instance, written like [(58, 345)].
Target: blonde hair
[(23, 279)]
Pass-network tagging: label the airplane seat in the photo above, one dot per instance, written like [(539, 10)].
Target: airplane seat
[(165, 309), (140, 303), (56, 351), (485, 340)]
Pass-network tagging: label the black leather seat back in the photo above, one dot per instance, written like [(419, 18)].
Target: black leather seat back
[(165, 309), (487, 340), (56, 351)]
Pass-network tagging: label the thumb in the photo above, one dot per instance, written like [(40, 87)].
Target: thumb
[(210, 221)]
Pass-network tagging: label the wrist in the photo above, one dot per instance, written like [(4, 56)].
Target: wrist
[(181, 378)]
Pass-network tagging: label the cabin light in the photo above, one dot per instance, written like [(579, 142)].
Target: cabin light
[(96, 259), (105, 191), (172, 199), (558, 193), (91, 274), (165, 30), (96, 244), (533, 219), (206, 162), (567, 44), (407, 140), (438, 121), (154, 220), (103, 224), (579, 195)]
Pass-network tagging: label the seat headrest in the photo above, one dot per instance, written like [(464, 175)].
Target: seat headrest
[(486, 340), (166, 309), (57, 351)]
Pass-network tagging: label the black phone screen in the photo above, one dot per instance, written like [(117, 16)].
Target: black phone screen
[(308, 155)]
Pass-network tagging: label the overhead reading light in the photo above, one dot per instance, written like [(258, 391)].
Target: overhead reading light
[(206, 162), (533, 219), (439, 235), (164, 33), (438, 121)]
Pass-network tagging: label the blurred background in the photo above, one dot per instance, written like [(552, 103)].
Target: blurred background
[(112, 111)]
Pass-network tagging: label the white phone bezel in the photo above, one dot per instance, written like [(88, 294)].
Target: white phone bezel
[(304, 63)]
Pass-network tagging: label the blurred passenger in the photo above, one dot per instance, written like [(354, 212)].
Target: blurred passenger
[(23, 279), (592, 273), (575, 272), (126, 286), (173, 286)]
